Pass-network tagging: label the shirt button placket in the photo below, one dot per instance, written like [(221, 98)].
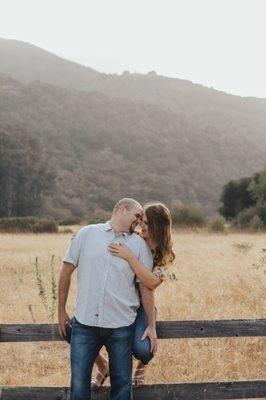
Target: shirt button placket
[(102, 292)]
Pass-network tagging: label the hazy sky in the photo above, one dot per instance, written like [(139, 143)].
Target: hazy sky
[(219, 43)]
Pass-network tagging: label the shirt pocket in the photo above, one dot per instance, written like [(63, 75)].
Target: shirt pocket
[(123, 268)]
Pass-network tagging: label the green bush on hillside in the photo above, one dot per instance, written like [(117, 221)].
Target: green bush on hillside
[(217, 225), (244, 218), (99, 216), (27, 225), (187, 216), (70, 221), (17, 224), (256, 224), (43, 226)]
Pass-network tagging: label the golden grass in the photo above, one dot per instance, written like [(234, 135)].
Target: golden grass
[(219, 278)]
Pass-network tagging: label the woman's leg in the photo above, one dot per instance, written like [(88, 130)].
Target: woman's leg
[(102, 373), (141, 348), (102, 364)]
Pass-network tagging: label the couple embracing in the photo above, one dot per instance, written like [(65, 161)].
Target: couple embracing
[(117, 272)]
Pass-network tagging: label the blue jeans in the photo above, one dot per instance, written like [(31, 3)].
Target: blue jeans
[(141, 349), (86, 342)]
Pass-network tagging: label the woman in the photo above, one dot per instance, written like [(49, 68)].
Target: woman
[(156, 228)]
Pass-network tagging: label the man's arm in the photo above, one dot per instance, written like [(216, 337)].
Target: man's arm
[(63, 289), (147, 298), (70, 262)]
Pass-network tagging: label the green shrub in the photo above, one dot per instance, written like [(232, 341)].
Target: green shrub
[(217, 224), (187, 216), (256, 224), (17, 224), (99, 216), (261, 211), (244, 218), (67, 230), (70, 221), (43, 226), (27, 225)]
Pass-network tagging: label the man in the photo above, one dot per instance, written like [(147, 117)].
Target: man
[(107, 300)]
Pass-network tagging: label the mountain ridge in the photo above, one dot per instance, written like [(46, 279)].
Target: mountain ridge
[(4, 52), (171, 139)]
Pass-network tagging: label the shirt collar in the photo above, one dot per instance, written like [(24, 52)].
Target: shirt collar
[(108, 227)]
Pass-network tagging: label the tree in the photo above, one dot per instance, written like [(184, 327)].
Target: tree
[(236, 197), (257, 187), (24, 174)]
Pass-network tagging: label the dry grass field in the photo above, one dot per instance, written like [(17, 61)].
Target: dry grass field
[(220, 277)]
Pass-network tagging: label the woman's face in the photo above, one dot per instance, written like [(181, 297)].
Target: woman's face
[(144, 227)]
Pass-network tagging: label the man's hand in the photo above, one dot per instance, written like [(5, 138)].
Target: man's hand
[(150, 332), (63, 319)]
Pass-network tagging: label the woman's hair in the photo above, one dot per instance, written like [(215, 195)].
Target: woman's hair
[(160, 227)]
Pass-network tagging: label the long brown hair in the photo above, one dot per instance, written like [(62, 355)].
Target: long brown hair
[(160, 227)]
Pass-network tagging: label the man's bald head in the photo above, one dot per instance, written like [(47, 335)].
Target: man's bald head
[(128, 203), (127, 213)]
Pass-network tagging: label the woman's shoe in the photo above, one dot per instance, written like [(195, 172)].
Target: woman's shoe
[(140, 376), (98, 380)]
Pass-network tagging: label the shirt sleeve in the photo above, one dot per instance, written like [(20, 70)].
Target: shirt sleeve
[(145, 257), (73, 252)]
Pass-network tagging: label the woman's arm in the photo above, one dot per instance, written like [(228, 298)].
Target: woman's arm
[(146, 277)]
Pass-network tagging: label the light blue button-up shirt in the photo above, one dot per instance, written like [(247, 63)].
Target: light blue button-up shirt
[(106, 295)]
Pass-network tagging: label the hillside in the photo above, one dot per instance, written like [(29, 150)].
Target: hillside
[(26, 63), (102, 147)]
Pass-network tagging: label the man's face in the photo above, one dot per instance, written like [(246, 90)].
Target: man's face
[(132, 218)]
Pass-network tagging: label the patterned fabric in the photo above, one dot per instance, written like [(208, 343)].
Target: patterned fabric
[(164, 273)]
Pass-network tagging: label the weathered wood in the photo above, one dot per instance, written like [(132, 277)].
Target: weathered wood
[(211, 328), (165, 329), (180, 391)]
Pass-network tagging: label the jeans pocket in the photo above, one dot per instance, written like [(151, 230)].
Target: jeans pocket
[(77, 324)]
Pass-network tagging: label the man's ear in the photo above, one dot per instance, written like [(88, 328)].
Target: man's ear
[(123, 210), (119, 210)]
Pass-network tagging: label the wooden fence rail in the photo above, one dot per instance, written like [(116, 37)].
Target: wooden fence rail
[(179, 391), (166, 330)]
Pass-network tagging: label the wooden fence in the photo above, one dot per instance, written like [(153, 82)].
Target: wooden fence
[(166, 330)]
